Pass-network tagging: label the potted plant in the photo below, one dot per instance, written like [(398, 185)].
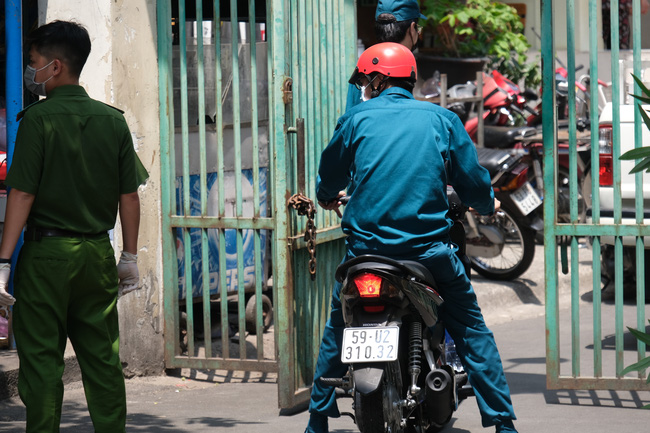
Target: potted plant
[(481, 29)]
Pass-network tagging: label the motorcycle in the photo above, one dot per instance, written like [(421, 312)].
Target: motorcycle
[(527, 142), (404, 374), (403, 370), (510, 123), (501, 246), (503, 104)]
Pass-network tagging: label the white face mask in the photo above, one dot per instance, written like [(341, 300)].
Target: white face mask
[(33, 86), (364, 98)]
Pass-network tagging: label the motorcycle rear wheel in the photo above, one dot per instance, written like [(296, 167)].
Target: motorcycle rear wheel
[(518, 251), (377, 411), (366, 411)]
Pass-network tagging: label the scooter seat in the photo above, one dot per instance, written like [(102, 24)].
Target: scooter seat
[(382, 263), (419, 271), (504, 137), (494, 159)]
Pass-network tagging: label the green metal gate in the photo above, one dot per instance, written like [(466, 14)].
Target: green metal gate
[(586, 337), (250, 91), (314, 50)]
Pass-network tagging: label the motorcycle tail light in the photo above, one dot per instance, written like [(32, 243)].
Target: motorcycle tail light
[(605, 157), (369, 285), (389, 290), (520, 178)]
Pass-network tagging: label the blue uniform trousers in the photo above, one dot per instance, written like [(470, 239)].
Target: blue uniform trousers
[(463, 320)]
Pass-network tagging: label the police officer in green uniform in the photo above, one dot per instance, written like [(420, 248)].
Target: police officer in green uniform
[(74, 168)]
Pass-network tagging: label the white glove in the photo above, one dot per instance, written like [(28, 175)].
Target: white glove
[(5, 298), (127, 272)]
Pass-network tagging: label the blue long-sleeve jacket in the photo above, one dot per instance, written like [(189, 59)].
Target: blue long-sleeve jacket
[(390, 154)]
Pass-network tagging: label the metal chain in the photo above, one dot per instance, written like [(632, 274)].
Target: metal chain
[(305, 206)]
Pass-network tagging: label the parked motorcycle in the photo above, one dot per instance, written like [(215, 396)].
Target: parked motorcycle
[(502, 246), (504, 104), (527, 142), (403, 372), (511, 123)]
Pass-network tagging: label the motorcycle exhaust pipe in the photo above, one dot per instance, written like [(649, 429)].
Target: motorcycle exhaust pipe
[(439, 397)]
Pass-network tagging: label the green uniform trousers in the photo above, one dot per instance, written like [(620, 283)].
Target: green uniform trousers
[(66, 287)]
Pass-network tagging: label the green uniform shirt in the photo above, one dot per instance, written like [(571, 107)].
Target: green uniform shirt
[(76, 156)]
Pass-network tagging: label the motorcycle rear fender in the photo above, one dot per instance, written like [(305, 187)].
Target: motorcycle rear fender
[(486, 251), (367, 377), (536, 222), (422, 300), (526, 220), (493, 234), (356, 317), (531, 221)]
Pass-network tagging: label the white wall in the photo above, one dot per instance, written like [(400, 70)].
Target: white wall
[(581, 25), (533, 23), (532, 20), (122, 70), (95, 16)]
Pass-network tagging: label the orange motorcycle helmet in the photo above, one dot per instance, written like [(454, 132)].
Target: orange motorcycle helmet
[(389, 59)]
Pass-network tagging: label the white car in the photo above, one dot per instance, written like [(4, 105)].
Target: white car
[(628, 195)]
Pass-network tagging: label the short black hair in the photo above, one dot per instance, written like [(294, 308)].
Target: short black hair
[(65, 40), (388, 29), (405, 83)]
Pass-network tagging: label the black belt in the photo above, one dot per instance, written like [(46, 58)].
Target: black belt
[(36, 233)]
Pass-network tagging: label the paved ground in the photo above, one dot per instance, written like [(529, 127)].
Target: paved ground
[(247, 402)]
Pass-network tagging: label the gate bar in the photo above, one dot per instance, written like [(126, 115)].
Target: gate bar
[(167, 174), (573, 187), (595, 198), (638, 142), (550, 149), (205, 261), (281, 266), (259, 266)]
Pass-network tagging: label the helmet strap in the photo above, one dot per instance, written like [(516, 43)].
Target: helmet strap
[(377, 90)]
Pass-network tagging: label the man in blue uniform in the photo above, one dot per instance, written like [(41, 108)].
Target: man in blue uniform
[(395, 21), (395, 156)]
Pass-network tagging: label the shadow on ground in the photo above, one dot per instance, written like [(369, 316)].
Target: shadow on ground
[(75, 419)]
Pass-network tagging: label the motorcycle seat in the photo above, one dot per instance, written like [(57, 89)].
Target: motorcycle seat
[(494, 159), (381, 263), (503, 137), (419, 270)]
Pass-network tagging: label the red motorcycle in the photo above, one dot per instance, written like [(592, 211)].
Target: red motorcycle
[(504, 104)]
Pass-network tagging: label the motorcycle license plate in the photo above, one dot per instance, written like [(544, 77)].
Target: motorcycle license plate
[(526, 199), (370, 344)]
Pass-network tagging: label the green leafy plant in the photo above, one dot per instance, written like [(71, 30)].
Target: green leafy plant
[(482, 28), (642, 153), (645, 362)]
